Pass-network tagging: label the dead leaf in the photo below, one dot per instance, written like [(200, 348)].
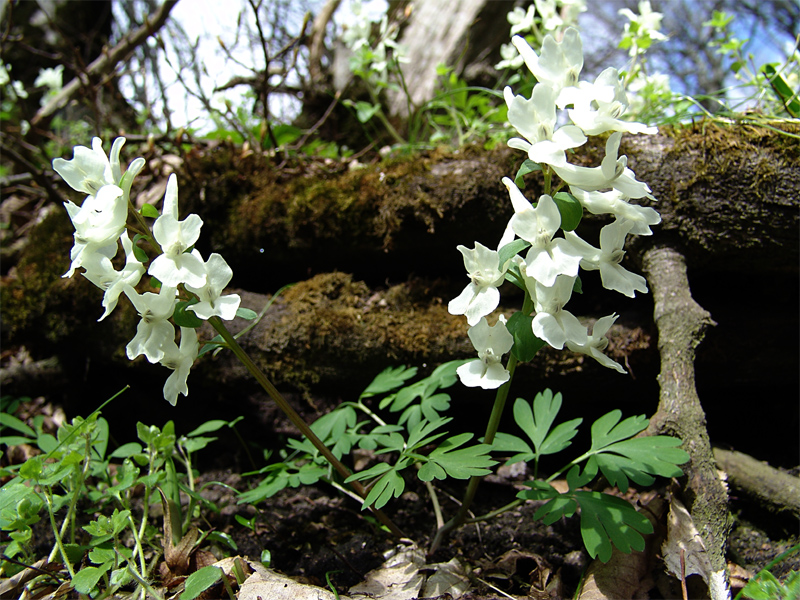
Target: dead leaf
[(265, 583), (398, 579), (451, 578)]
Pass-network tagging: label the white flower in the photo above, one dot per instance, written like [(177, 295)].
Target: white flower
[(607, 259), (535, 120), (100, 272), (612, 173), (548, 257), (52, 79), (90, 170), (597, 342), (644, 26), (491, 343), (480, 297), (218, 275), (598, 106), (549, 15), (521, 20), (511, 58), (175, 265), (180, 360), (613, 202), (98, 223), (560, 63), (552, 323), (154, 329)]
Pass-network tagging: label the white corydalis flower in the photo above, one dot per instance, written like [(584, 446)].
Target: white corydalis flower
[(212, 303), (175, 265), (551, 322), (548, 257), (598, 106), (559, 64), (491, 344), (597, 342), (98, 223), (612, 173), (481, 296), (154, 329), (90, 169), (608, 258), (535, 120), (101, 272), (180, 360), (613, 202)]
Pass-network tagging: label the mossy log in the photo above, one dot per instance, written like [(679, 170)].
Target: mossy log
[(729, 199)]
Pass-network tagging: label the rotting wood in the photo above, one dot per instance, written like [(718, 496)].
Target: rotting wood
[(681, 326), (772, 489)]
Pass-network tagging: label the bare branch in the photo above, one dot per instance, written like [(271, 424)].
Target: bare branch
[(107, 61)]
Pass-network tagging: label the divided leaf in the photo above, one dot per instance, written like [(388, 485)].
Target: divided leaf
[(537, 423), (387, 380), (605, 520), (446, 460), (620, 456)]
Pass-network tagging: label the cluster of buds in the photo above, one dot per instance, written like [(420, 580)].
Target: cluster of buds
[(561, 112), (101, 228)]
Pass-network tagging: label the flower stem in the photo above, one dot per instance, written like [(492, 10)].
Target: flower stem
[(488, 438), (297, 420)]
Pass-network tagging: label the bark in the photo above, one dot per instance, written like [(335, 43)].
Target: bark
[(770, 488), (681, 326), (449, 32)]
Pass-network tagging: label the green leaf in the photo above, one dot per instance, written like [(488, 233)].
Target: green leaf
[(186, 318), (15, 440), (447, 460), (526, 344), (537, 423), (570, 208), (246, 313), (14, 423), (510, 250), (387, 380), (621, 457), (528, 166), (140, 254), (782, 89), (126, 450), (208, 427), (373, 471), (505, 442), (86, 579), (199, 581), (607, 520), (150, 211), (605, 430), (388, 486)]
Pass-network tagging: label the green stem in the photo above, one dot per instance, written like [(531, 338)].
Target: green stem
[(488, 438), (59, 547), (382, 117), (296, 419), (496, 512)]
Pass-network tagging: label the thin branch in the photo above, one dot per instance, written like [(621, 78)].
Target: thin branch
[(107, 61)]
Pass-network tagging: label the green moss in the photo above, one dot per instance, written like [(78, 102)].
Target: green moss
[(334, 328)]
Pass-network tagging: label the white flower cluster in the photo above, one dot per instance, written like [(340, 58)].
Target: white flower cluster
[(371, 61), (540, 18), (550, 267), (100, 229)]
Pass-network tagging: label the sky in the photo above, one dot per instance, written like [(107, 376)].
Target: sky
[(208, 21), (212, 20)]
